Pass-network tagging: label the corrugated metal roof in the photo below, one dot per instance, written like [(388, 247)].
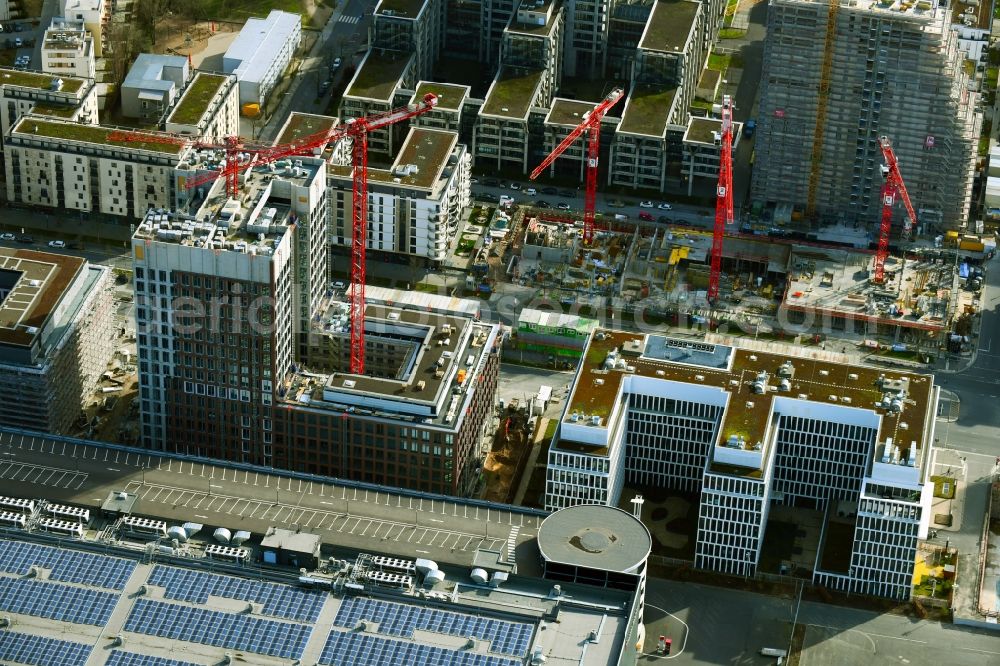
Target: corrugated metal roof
[(258, 44)]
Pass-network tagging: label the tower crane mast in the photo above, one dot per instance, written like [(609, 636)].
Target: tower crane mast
[(592, 126), (723, 197), (893, 188)]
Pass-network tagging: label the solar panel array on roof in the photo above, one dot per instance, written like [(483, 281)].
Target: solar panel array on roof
[(394, 619), (226, 630), (70, 566), (351, 649), (278, 600), (57, 602), (119, 658), (41, 651)]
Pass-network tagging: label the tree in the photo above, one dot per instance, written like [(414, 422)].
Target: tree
[(149, 12)]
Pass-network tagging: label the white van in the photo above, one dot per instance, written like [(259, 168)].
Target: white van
[(531, 192)]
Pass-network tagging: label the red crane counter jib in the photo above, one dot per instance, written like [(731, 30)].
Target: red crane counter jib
[(723, 197), (592, 126), (893, 188)]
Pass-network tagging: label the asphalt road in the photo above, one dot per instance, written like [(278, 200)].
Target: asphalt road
[(217, 496)]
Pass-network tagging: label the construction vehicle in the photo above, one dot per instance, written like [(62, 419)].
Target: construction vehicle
[(592, 125)]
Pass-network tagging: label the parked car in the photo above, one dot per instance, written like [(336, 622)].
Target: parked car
[(531, 191), (57, 244), (336, 63), (563, 205), (324, 87), (339, 284), (515, 186), (541, 203), (665, 206), (645, 204), (643, 215), (617, 203), (550, 191), (74, 245), (503, 185), (491, 198), (7, 237), (24, 238), (18, 42), (18, 27)]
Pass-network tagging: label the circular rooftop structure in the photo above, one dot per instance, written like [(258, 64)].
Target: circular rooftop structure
[(596, 537)]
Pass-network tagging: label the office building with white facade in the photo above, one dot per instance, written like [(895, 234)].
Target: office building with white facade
[(95, 15), (68, 49), (750, 427), (56, 337), (262, 52)]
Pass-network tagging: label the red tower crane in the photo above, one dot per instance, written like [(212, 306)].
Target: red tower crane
[(893, 188), (241, 156), (723, 197), (592, 125)]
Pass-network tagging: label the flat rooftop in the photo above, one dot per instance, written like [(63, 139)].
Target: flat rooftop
[(648, 110), (66, 38), (528, 14), (670, 25), (450, 96), (40, 81), (55, 110), (300, 125), (30, 127), (916, 294), (595, 537), (819, 377), (378, 76), (568, 112), (197, 98), (703, 130), (401, 8), (428, 150), (37, 283), (223, 224), (440, 350), (512, 93), (972, 16)]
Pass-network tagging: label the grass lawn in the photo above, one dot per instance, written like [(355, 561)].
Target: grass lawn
[(701, 104), (427, 288), (990, 78), (550, 429), (927, 587), (731, 33), (984, 146), (719, 61), (731, 7), (944, 487)]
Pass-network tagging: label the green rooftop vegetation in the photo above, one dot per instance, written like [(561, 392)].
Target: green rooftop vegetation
[(569, 112), (512, 93), (89, 134), (429, 150), (196, 99), (670, 25), (54, 111), (449, 96), (648, 109), (301, 125), (703, 130), (378, 77), (13, 77)]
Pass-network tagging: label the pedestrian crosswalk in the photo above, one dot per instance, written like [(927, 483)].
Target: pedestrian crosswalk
[(350, 20)]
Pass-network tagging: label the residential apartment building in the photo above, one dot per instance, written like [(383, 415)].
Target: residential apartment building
[(56, 337), (972, 21), (261, 53), (415, 206), (668, 61), (493, 19), (375, 88), (530, 73), (208, 107), (890, 70), (68, 49), (58, 97), (95, 15), (750, 428), (411, 26), (588, 24), (153, 84), (62, 165), (702, 149)]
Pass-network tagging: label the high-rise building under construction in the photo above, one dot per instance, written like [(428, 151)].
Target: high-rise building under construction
[(836, 76)]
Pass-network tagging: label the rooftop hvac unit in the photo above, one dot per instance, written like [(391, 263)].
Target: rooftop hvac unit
[(177, 532), (479, 576), (242, 536), (222, 535)]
